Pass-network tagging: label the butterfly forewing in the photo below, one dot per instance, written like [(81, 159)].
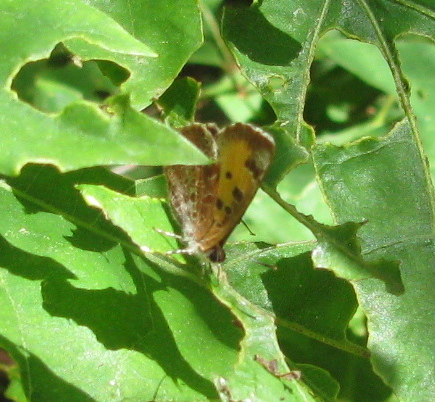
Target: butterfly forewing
[(244, 154)]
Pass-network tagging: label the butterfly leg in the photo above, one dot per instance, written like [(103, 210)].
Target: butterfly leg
[(168, 234)]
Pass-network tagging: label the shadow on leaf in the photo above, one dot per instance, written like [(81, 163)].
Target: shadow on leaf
[(126, 321), (271, 46), (37, 379)]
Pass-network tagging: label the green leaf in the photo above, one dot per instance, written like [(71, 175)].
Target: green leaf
[(75, 261), (278, 62), (126, 137), (398, 196), (399, 215), (365, 62), (283, 280), (91, 268), (139, 217), (171, 28), (82, 283), (179, 101), (339, 251), (100, 138)]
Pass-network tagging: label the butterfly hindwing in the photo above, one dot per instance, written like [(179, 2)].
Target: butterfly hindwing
[(192, 189)]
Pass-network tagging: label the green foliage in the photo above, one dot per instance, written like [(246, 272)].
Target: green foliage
[(335, 298)]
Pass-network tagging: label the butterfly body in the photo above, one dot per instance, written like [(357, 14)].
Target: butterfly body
[(210, 200)]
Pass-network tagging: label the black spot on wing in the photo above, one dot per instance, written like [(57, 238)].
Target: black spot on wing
[(237, 194), (254, 169)]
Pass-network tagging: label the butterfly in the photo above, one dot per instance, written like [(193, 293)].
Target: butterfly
[(210, 200)]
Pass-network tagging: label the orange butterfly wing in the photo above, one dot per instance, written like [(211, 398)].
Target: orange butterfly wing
[(244, 154)]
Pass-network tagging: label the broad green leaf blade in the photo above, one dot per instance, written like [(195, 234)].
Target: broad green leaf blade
[(173, 29), (283, 281), (273, 63), (383, 182), (65, 280), (122, 31), (78, 20), (261, 370), (82, 135), (99, 138), (418, 61), (126, 314), (285, 49), (275, 282), (278, 62), (281, 74), (138, 219), (280, 52), (339, 251), (179, 101)]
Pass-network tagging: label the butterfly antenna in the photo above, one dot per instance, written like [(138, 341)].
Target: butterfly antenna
[(248, 228)]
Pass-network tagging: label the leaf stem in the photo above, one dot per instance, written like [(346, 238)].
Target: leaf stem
[(343, 345), (306, 220), (229, 64)]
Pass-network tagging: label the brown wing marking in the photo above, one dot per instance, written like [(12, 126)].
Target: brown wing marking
[(192, 189)]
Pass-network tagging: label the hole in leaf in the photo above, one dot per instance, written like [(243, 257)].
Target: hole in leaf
[(51, 84), (341, 94)]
